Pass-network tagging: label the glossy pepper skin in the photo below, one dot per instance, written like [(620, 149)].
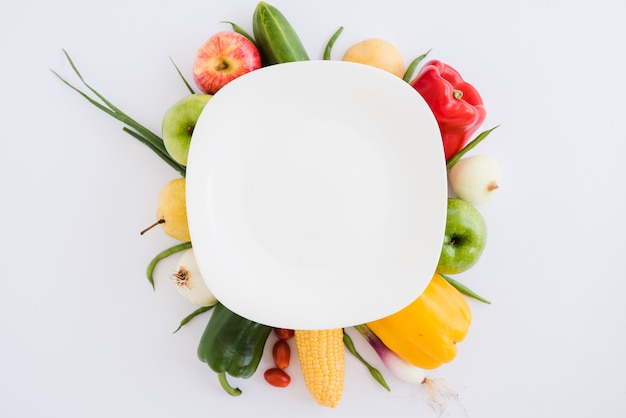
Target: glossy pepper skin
[(426, 332), (232, 344), (456, 104)]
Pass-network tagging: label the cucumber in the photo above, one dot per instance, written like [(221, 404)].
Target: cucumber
[(275, 37)]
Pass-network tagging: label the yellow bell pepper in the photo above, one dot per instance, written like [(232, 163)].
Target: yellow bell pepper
[(425, 332)]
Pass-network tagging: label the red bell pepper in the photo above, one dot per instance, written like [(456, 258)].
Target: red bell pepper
[(457, 106)]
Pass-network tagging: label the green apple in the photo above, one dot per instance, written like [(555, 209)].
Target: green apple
[(465, 237), (178, 124)]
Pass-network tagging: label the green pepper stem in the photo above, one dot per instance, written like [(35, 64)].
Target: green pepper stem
[(226, 386)]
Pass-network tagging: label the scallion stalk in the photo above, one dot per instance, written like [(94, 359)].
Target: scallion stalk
[(134, 128)]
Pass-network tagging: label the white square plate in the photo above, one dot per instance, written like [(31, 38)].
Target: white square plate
[(316, 194)]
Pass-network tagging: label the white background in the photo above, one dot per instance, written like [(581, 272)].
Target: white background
[(81, 331)]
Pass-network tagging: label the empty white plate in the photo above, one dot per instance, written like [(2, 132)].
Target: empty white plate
[(316, 194)]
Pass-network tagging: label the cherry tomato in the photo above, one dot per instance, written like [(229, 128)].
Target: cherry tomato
[(281, 352), (277, 377), (283, 333)]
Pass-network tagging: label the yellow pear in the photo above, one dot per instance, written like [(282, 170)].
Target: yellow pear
[(377, 53), (172, 211)]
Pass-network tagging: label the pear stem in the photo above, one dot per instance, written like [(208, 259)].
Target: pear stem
[(159, 222)]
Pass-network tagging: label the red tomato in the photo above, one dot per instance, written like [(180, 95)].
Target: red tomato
[(283, 333), (277, 377), (281, 353)]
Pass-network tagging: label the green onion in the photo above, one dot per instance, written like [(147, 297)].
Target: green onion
[(183, 77), (242, 31), (398, 366), (134, 128)]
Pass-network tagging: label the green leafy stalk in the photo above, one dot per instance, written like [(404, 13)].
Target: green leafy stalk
[(238, 29), (464, 289), (158, 151), (134, 128), (377, 375), (164, 254), (331, 43), (242, 31), (413, 65), (183, 77), (192, 315), (468, 147)]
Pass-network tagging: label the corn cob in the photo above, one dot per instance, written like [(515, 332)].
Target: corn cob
[(322, 361)]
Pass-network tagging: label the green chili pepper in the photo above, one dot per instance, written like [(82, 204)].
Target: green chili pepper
[(232, 344)]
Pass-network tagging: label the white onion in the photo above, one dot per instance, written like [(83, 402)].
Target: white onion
[(189, 282), (397, 365), (403, 369), (475, 179)]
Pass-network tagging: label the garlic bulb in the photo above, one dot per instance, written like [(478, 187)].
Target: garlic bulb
[(189, 282), (475, 179)]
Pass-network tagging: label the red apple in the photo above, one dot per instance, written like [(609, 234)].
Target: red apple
[(224, 57)]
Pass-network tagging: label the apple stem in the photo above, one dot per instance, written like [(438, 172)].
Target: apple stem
[(159, 222), (222, 66)]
